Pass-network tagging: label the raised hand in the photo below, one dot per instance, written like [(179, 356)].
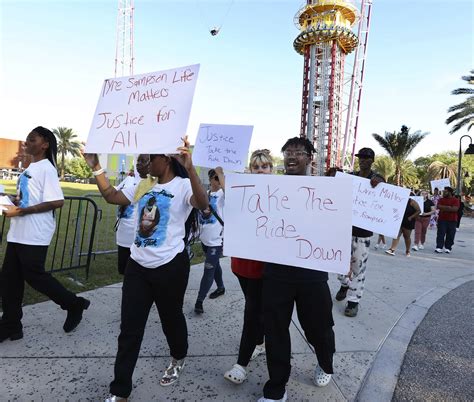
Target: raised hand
[(184, 156), (92, 161)]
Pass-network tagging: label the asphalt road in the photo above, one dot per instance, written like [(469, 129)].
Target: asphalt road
[(439, 362)]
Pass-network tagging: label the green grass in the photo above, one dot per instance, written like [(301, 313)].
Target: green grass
[(103, 269)]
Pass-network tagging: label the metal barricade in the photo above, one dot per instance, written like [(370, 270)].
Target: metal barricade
[(71, 246)]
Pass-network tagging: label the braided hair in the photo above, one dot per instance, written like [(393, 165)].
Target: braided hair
[(50, 138)]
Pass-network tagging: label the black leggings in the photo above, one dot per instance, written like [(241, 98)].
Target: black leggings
[(252, 331), (165, 286)]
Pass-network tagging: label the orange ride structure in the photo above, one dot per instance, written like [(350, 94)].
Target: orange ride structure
[(331, 97)]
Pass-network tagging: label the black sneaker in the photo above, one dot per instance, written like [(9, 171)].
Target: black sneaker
[(217, 293), (341, 294), (74, 315), (351, 309), (8, 333), (198, 309)]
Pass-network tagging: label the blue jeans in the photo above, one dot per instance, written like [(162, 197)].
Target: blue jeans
[(212, 271)]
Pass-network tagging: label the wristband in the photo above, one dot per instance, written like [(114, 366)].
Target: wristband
[(98, 172)]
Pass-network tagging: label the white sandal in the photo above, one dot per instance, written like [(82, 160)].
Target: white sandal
[(237, 374), (321, 378), (259, 349), (172, 372)]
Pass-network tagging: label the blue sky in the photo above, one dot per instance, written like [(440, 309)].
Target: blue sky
[(56, 54)]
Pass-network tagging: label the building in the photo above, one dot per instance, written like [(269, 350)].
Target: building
[(12, 156)]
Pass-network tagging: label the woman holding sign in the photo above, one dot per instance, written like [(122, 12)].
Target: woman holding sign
[(32, 225), (158, 267), (250, 276)]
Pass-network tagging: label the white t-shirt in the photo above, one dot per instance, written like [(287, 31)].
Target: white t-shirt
[(127, 216), (210, 228), (38, 183), (161, 215)]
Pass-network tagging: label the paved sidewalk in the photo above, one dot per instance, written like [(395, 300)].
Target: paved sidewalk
[(52, 366)]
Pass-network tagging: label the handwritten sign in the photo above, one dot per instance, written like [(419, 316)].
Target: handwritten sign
[(222, 145), (378, 209), (419, 200), (301, 221), (145, 113), (440, 184)]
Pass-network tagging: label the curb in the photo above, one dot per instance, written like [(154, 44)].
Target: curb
[(381, 379)]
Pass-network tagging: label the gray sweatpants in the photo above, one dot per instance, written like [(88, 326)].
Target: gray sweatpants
[(356, 277)]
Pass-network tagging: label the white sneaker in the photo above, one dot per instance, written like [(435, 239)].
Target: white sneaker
[(421, 247), (321, 378), (384, 246), (415, 247), (259, 349), (447, 251), (237, 374), (263, 399), (376, 246), (438, 250)]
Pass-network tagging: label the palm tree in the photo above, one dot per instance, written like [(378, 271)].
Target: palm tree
[(464, 111), (385, 167), (67, 144), (399, 146)]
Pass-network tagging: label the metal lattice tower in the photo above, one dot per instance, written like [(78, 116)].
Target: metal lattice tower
[(324, 41), (357, 78), (124, 46)]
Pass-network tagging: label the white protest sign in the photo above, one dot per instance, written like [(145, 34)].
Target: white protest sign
[(145, 113), (378, 209), (301, 221), (440, 184), (419, 200), (222, 145)]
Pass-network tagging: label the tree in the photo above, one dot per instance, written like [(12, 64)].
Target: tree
[(78, 167), (463, 113), (399, 146), (67, 144), (385, 167)]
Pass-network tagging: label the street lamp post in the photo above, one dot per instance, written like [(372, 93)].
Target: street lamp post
[(469, 151)]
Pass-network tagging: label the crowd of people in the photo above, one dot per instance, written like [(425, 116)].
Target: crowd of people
[(159, 210)]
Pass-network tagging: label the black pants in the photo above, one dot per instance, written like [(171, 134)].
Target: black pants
[(25, 263), (445, 234), (252, 332), (314, 308), (123, 254), (165, 286)]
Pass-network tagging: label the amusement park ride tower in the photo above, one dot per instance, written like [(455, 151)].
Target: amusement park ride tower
[(331, 99)]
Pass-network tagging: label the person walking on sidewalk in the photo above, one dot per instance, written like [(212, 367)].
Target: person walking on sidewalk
[(32, 225), (126, 214), (250, 273), (412, 211), (352, 284), (283, 287), (423, 221), (448, 207), (158, 267), (211, 225)]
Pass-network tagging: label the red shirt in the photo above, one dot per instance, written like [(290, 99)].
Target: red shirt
[(247, 268), (448, 216)]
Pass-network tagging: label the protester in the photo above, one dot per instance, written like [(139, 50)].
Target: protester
[(435, 198), (250, 273), (126, 214), (352, 284), (422, 222), (158, 267), (211, 226), (412, 211), (460, 212), (448, 207), (32, 225), (283, 286)]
